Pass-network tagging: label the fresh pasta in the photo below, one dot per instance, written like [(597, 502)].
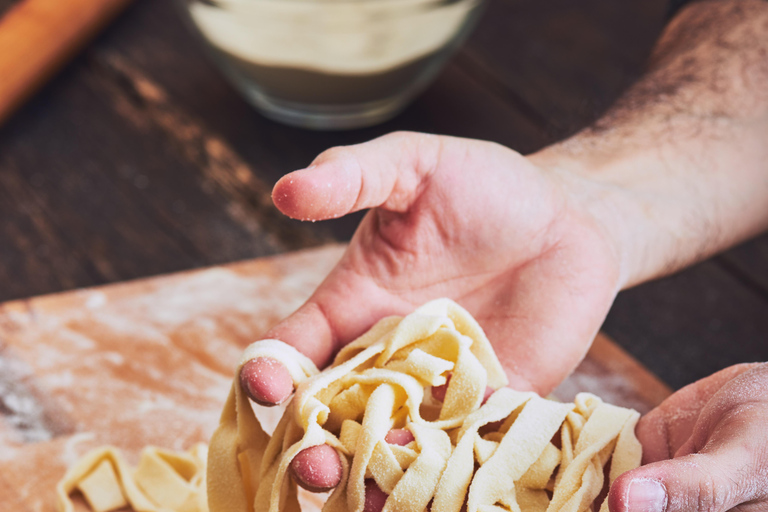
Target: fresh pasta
[(378, 383), (164, 481), (510, 451)]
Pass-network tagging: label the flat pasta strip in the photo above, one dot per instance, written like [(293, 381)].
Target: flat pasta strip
[(378, 382), (164, 481), (491, 455)]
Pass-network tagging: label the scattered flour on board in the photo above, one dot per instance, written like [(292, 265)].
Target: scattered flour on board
[(612, 388), (20, 408), (95, 300), (116, 358), (70, 453), (155, 402), (158, 360)]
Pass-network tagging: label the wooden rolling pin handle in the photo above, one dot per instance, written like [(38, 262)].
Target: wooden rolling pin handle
[(37, 37)]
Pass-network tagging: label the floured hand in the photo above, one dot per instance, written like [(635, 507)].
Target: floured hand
[(704, 448), (459, 218), (414, 415)]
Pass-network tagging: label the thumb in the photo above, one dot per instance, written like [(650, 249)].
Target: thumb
[(701, 482), (386, 172), (723, 464)]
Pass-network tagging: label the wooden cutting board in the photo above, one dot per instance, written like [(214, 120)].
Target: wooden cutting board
[(151, 361)]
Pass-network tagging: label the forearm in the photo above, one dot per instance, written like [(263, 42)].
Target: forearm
[(678, 168)]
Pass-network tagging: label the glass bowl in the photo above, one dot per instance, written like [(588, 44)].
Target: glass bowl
[(331, 64)]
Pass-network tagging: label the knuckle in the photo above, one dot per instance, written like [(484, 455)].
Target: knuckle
[(408, 138), (713, 493), (430, 149), (708, 495), (334, 153), (402, 134), (653, 429)]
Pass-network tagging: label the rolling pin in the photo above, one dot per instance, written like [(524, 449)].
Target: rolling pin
[(38, 37)]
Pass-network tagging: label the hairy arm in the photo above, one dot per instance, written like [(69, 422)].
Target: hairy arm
[(678, 167), (537, 248)]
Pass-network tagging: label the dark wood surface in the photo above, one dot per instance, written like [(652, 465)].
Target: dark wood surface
[(6, 4), (139, 159)]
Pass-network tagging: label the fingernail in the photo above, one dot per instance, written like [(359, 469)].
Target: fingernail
[(646, 496)]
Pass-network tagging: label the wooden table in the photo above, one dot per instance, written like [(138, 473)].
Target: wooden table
[(139, 160)]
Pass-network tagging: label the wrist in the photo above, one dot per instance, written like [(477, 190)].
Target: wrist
[(605, 187)]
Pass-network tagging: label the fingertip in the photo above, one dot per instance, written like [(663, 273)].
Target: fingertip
[(438, 392), (307, 330), (375, 498), (266, 381), (399, 437), (318, 192), (634, 493), (317, 468), (287, 192)]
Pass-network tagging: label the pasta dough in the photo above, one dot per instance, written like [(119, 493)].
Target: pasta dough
[(514, 451), (377, 383), (164, 481)]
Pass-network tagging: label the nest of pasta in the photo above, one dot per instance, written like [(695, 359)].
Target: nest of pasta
[(511, 451)]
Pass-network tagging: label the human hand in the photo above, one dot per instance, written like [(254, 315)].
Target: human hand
[(705, 448), (465, 219), (470, 220), (536, 248)]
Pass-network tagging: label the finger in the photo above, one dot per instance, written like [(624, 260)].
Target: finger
[(438, 392), (399, 437), (308, 330), (317, 469), (667, 427), (735, 411), (345, 305), (723, 462), (385, 172), (266, 381), (375, 498), (702, 482)]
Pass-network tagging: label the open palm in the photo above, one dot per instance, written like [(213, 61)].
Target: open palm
[(458, 218)]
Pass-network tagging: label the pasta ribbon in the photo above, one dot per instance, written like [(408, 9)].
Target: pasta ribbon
[(515, 451), (164, 481)]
